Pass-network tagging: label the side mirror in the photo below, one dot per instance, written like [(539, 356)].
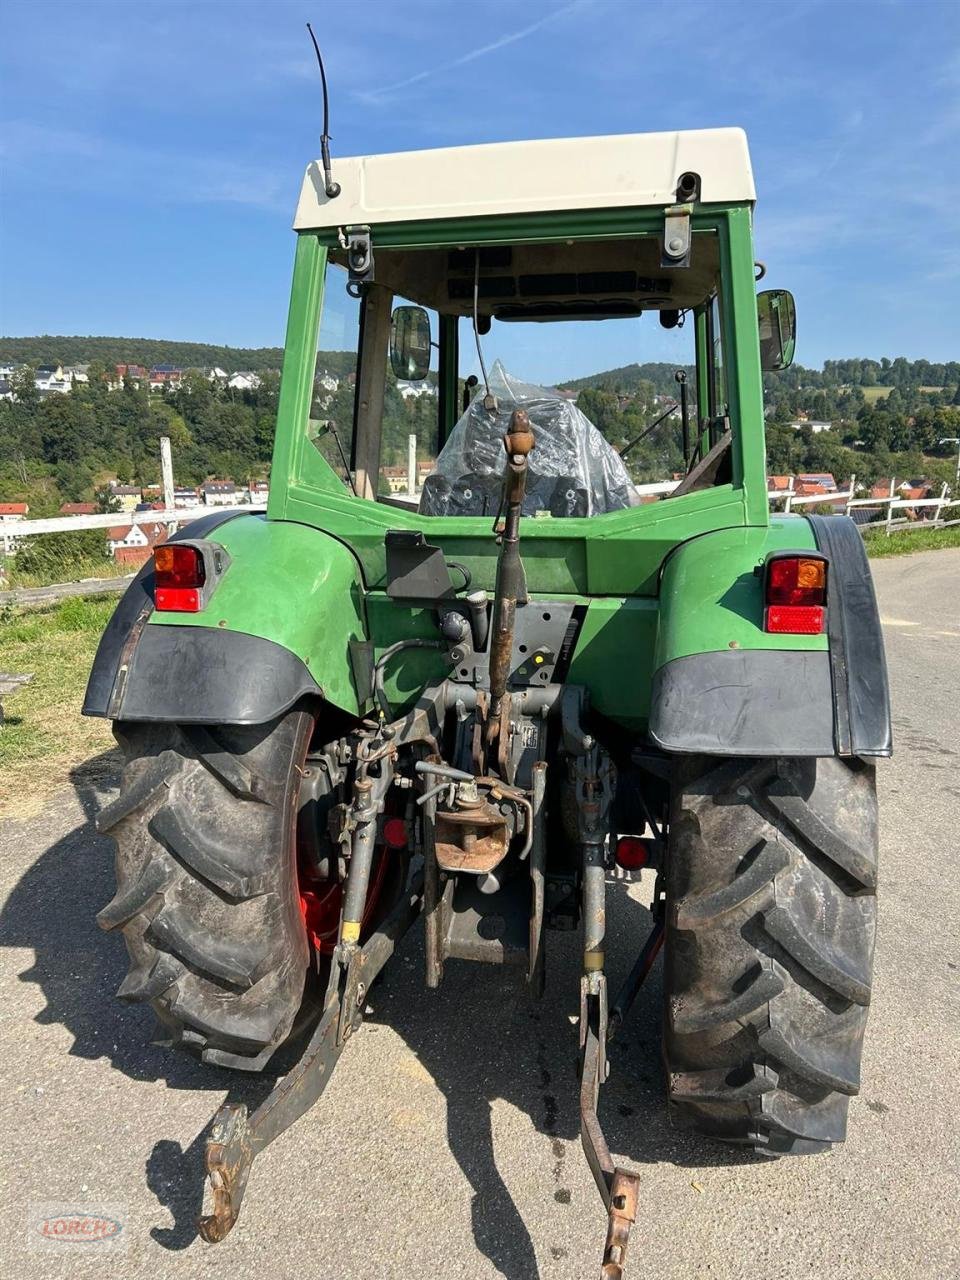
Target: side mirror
[(410, 343), (777, 318)]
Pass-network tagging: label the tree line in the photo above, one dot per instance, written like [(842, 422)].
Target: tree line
[(63, 447), (59, 448)]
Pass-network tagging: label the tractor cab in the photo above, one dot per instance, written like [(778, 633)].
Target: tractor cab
[(455, 282)]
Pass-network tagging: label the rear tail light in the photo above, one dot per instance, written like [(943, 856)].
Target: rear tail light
[(633, 852), (795, 594), (178, 575), (795, 619), (395, 833)]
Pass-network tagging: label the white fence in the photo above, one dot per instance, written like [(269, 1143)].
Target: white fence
[(11, 531), (845, 500)]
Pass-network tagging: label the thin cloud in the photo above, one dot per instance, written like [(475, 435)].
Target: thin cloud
[(41, 156), (380, 95)]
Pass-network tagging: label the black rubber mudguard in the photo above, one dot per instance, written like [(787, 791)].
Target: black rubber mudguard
[(765, 702), (189, 675), (858, 666)]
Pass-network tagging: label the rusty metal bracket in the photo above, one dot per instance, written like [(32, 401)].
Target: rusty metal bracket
[(236, 1138), (619, 1188)]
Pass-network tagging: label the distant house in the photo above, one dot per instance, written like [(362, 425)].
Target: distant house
[(819, 485), (51, 378), (259, 491), (779, 484), (186, 498), (135, 372), (132, 544), (814, 480), (327, 381), (76, 372), (414, 390), (165, 375), (216, 374), (78, 508), (6, 389), (815, 427), (127, 495), (396, 478), (244, 381), (10, 513), (916, 492), (220, 493)]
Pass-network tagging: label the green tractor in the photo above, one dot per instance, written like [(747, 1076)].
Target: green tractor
[(349, 711)]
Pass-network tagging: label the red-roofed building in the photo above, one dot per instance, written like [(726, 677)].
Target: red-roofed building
[(779, 484), (132, 543), (10, 513), (817, 481), (78, 508)]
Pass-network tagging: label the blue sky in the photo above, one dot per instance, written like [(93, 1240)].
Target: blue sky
[(152, 152)]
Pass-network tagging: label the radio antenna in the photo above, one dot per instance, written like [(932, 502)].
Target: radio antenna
[(331, 188)]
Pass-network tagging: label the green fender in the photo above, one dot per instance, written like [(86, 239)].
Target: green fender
[(277, 628), (721, 684)]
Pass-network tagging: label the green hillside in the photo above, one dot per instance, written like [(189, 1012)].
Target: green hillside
[(49, 349)]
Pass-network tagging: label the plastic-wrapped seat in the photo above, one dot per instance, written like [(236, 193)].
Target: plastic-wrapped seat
[(573, 471)]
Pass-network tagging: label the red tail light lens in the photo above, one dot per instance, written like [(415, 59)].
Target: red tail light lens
[(179, 575), (795, 619), (795, 594), (796, 580), (632, 853), (395, 833)]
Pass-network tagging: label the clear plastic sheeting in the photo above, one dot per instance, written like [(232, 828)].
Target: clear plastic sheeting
[(573, 471)]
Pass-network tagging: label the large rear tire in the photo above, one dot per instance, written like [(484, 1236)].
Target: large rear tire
[(207, 890), (771, 884)]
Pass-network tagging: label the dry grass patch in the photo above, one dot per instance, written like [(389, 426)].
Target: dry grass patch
[(44, 737)]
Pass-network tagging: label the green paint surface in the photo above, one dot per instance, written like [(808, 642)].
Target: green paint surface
[(613, 657), (291, 584), (711, 599)]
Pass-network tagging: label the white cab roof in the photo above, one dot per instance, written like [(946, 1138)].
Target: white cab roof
[(528, 177)]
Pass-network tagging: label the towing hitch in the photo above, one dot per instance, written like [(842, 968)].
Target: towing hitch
[(619, 1188), (236, 1138), (467, 824)]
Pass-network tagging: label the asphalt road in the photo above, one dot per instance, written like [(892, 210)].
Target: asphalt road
[(446, 1143)]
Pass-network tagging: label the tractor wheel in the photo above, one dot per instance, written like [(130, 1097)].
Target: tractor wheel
[(209, 898), (771, 903)]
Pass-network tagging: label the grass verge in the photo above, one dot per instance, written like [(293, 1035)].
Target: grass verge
[(43, 736), (75, 571), (902, 543)]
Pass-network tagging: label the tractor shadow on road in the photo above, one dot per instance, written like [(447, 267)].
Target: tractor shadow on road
[(481, 1037), (484, 1039), (78, 968)]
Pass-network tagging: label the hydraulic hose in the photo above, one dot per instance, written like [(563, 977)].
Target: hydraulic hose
[(381, 663)]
